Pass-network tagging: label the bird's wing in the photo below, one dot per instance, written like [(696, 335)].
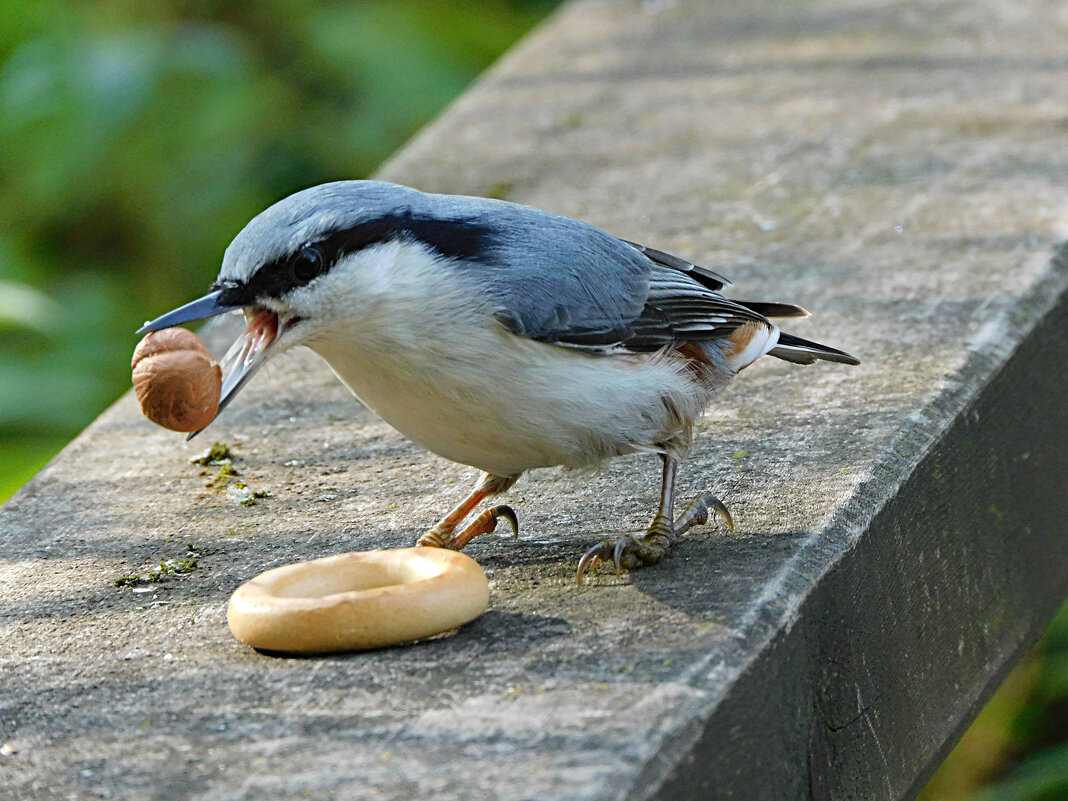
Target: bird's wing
[(678, 310), (567, 283), (555, 279), (702, 275)]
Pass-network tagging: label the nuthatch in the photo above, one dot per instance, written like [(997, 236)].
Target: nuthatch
[(496, 335)]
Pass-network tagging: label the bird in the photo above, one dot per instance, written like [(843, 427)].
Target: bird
[(497, 335)]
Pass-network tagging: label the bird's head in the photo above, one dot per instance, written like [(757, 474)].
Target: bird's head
[(299, 268)]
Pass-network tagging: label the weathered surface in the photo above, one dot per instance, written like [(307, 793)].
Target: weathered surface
[(898, 169)]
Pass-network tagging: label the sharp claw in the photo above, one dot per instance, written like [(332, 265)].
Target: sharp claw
[(660, 538), (588, 561), (618, 555), (716, 505), (508, 513)]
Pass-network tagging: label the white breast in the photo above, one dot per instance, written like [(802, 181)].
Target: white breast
[(440, 370)]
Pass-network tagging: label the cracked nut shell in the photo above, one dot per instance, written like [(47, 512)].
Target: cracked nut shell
[(176, 380)]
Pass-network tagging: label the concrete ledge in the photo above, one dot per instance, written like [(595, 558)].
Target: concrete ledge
[(899, 170)]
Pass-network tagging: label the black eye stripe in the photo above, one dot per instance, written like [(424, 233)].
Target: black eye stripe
[(461, 239)]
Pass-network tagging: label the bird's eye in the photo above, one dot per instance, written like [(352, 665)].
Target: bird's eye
[(308, 264)]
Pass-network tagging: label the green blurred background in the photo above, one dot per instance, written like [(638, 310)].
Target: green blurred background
[(136, 138)]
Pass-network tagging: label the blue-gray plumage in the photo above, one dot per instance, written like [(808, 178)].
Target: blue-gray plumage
[(496, 335)]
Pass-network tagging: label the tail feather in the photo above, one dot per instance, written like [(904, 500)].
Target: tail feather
[(769, 309), (803, 351)]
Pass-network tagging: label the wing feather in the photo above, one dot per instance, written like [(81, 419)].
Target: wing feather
[(567, 283), (703, 275), (676, 310)]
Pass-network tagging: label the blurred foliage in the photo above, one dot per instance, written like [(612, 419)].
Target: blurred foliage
[(137, 138), (1017, 748)]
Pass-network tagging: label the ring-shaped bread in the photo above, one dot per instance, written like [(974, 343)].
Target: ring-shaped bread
[(353, 601)]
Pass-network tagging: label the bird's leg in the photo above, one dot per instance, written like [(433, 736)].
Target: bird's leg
[(444, 534), (631, 552)]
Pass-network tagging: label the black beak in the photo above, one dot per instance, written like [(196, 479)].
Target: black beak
[(207, 306)]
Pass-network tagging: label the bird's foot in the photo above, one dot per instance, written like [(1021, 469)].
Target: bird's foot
[(633, 551), (485, 523)]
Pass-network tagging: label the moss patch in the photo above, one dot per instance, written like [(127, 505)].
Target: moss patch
[(168, 567), (224, 478), (218, 453)]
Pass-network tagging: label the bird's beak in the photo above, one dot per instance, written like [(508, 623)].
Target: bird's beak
[(245, 356), (207, 306)]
